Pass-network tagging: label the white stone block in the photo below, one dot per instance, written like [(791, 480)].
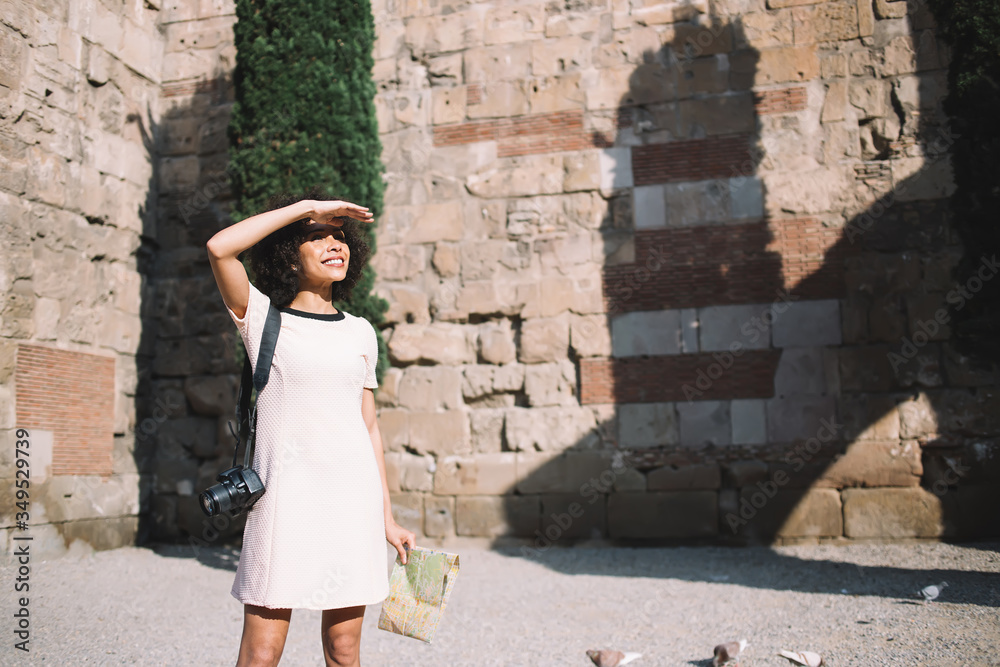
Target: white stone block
[(651, 332), (647, 424), (550, 384), (723, 327), (806, 323), (749, 421), (90, 497), (616, 168), (697, 203), (589, 335), (689, 331), (41, 454), (431, 388), (522, 176), (649, 205), (627, 137), (8, 411), (705, 422), (746, 197), (554, 428)]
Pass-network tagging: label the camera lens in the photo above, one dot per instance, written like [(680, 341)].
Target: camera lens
[(207, 505), (216, 499), (237, 491)]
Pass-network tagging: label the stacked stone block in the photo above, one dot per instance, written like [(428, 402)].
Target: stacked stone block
[(657, 270), (731, 178), (195, 356), (77, 82)]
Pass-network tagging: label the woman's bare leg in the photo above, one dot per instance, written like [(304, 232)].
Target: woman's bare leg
[(264, 632), (341, 631)]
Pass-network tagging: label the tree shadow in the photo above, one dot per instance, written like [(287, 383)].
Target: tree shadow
[(771, 362), (189, 355), (701, 472)]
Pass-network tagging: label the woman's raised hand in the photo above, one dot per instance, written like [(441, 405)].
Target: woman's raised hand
[(329, 211)]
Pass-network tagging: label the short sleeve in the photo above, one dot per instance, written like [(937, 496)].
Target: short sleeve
[(371, 356), (251, 325)]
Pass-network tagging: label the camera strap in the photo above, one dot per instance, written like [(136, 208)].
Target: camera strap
[(245, 417)]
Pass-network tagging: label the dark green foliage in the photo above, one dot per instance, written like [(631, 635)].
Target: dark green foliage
[(304, 114), (972, 29)]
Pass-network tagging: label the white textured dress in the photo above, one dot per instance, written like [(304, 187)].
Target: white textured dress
[(316, 538)]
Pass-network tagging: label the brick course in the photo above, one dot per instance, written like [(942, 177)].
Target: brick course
[(692, 267), (524, 135), (781, 100), (664, 378), (692, 160), (72, 395)]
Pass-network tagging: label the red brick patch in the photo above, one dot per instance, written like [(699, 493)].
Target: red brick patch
[(663, 378), (692, 160), (524, 135), (691, 267), (782, 100), (71, 394)]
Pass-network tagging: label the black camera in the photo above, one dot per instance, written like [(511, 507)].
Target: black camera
[(237, 491)]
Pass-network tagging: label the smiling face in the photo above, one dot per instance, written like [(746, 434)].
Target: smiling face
[(324, 255)]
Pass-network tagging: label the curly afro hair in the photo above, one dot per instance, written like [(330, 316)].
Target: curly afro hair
[(273, 257)]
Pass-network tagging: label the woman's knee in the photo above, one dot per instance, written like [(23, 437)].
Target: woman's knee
[(264, 632), (341, 630), (260, 654), (343, 649)]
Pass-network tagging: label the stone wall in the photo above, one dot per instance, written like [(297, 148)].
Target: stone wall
[(78, 82), (656, 269), (673, 270)]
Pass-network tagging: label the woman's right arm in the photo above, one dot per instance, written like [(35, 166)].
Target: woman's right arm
[(225, 247)]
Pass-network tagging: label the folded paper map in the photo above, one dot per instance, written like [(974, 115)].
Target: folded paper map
[(418, 593)]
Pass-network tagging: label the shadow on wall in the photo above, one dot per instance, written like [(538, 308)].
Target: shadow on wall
[(665, 468), (190, 355), (810, 390)]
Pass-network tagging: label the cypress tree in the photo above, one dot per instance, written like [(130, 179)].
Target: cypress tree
[(304, 115)]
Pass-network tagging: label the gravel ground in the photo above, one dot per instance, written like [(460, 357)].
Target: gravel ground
[(854, 604)]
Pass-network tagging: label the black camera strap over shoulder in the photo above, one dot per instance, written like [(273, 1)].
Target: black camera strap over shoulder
[(246, 419)]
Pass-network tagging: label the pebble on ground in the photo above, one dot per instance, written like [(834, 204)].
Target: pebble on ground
[(856, 605)]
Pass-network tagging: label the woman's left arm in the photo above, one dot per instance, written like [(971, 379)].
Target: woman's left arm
[(395, 534)]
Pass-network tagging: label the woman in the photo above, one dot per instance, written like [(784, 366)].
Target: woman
[(314, 539)]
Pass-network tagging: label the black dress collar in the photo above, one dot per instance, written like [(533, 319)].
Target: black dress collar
[(330, 317)]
